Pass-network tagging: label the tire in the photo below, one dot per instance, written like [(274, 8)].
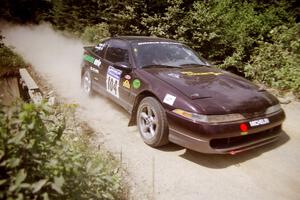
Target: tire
[(152, 122), (86, 83)]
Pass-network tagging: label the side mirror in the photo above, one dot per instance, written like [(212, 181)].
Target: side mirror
[(122, 65)]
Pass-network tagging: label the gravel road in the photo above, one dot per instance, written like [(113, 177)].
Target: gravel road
[(172, 172)]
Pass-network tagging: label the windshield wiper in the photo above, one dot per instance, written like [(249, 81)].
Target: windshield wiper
[(165, 66), (193, 64)]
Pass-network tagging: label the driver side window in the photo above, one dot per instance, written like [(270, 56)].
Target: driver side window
[(117, 51), (100, 49)]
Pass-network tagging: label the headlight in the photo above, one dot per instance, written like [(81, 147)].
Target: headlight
[(273, 109), (209, 118)]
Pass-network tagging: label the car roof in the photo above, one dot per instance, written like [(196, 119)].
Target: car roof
[(143, 39)]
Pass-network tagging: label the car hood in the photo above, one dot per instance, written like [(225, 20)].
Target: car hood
[(215, 91)]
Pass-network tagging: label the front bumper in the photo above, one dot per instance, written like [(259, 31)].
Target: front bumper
[(223, 138)]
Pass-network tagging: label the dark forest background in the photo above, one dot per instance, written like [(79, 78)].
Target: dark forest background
[(259, 39)]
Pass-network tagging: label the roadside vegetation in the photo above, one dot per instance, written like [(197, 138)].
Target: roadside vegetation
[(257, 39), (43, 155), (9, 60)]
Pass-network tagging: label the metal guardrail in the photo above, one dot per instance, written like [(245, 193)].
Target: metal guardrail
[(30, 86)]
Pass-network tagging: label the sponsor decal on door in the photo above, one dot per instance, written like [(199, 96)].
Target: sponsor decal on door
[(113, 80)]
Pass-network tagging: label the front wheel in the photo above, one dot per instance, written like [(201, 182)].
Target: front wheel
[(152, 122)]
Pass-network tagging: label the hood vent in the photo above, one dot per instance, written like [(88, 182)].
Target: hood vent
[(198, 96)]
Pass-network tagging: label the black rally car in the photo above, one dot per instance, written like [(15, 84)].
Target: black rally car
[(175, 95)]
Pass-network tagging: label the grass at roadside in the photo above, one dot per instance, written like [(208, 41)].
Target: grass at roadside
[(45, 155)]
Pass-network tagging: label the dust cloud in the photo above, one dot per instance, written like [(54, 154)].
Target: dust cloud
[(51, 53), (57, 58)]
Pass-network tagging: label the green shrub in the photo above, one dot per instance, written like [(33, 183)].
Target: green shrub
[(95, 34), (39, 161), (277, 64), (9, 60)]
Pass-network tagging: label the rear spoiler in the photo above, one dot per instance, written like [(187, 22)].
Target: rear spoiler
[(88, 48)]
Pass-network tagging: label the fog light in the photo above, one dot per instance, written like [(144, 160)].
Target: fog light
[(244, 127)]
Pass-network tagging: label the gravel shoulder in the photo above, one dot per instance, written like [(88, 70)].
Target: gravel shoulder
[(171, 172)]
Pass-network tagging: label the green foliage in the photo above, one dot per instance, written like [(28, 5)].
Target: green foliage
[(24, 11), (232, 33), (228, 30), (166, 24), (277, 64), (73, 15), (39, 161), (9, 60), (95, 34)]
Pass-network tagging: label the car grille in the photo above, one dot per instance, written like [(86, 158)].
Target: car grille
[(238, 141), (254, 114)]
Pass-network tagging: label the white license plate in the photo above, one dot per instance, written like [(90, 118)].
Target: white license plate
[(259, 122)]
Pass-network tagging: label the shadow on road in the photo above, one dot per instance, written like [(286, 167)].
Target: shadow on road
[(219, 161), (171, 147)]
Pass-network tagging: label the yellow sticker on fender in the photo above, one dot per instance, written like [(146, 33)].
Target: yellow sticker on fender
[(126, 84), (189, 73)]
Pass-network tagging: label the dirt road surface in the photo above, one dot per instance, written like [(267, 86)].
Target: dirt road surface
[(172, 172)]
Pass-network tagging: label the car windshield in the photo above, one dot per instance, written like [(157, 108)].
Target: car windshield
[(165, 54)]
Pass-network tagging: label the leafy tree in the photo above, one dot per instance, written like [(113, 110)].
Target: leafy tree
[(276, 63), (95, 34)]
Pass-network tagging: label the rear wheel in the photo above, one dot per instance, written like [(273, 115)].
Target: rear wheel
[(86, 83), (152, 122)]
